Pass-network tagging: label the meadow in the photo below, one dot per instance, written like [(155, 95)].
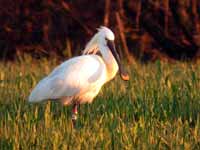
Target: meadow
[(159, 108)]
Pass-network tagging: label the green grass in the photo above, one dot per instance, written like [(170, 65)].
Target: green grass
[(159, 108)]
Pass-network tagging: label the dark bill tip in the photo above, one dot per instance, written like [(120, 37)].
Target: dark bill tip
[(125, 77), (123, 74)]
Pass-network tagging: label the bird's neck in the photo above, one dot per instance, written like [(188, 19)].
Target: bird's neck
[(111, 64)]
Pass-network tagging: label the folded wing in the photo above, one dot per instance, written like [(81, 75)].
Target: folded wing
[(70, 78)]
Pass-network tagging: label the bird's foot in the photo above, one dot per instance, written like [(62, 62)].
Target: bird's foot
[(74, 118), (74, 114)]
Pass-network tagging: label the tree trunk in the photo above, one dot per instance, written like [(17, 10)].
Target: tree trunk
[(107, 13), (123, 38)]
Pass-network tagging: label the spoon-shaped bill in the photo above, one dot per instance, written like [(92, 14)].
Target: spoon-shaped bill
[(124, 75)]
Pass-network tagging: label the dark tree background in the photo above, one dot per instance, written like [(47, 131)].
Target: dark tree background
[(144, 29)]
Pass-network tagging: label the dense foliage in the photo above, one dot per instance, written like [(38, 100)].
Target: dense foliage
[(148, 29)]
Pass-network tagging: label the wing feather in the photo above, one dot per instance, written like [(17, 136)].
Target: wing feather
[(70, 78)]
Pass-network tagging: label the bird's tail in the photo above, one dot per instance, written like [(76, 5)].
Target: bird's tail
[(33, 98), (39, 93)]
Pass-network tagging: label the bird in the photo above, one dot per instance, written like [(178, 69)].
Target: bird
[(79, 79)]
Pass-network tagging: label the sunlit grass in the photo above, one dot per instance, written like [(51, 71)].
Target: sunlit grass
[(159, 108)]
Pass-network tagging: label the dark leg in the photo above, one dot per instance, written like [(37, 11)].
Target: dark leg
[(75, 113)]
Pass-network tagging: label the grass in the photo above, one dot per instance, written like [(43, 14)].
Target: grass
[(159, 108)]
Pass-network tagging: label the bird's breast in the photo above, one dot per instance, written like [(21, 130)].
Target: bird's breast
[(112, 69)]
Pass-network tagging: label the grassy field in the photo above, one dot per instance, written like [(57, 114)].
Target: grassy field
[(159, 108)]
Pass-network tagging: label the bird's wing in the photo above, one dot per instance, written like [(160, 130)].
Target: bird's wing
[(69, 78)]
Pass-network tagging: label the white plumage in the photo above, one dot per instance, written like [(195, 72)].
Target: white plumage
[(80, 79), (73, 78)]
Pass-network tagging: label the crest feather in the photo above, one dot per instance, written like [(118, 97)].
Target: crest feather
[(92, 47)]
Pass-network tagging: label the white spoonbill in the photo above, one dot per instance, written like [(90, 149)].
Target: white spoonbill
[(79, 79)]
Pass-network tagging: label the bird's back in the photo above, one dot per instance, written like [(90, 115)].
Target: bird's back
[(73, 77)]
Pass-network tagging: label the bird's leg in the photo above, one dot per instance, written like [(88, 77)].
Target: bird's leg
[(75, 113)]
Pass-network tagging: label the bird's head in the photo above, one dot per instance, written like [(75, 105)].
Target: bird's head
[(105, 37)]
